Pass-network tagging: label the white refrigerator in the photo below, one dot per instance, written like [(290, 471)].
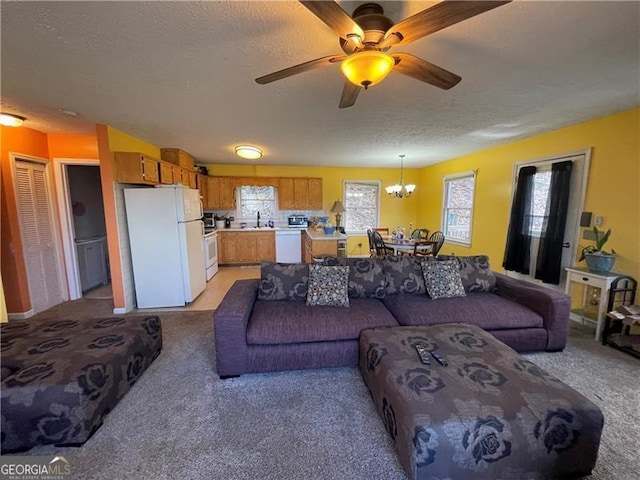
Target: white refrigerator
[(167, 253)]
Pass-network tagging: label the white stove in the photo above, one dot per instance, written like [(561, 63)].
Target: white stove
[(211, 252)]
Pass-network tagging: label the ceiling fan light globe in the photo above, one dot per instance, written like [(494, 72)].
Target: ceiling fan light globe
[(410, 188), (367, 68)]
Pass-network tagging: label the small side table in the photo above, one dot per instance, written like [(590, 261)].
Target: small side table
[(602, 281)]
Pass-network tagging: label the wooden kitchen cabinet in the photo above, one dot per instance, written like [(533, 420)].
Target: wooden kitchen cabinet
[(246, 247), (227, 247), (315, 194), (133, 167), (170, 173), (220, 193), (177, 157), (316, 248), (201, 184), (188, 177), (300, 194), (265, 247)]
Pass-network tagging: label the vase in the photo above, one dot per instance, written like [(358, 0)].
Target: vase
[(599, 263)]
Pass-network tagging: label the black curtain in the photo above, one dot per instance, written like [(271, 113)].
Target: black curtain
[(548, 265), (517, 256)]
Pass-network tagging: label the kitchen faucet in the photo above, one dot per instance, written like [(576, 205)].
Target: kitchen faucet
[(258, 220)]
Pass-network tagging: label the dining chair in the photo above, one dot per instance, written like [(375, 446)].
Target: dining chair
[(439, 238), (420, 234), (382, 230), (381, 247), (372, 245), (424, 248)]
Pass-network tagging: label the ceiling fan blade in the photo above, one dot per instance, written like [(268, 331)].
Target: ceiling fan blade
[(303, 67), (333, 15), (424, 71), (349, 94), (441, 15)]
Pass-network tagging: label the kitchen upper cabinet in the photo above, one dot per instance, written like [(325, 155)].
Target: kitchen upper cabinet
[(315, 194), (220, 193), (300, 194), (246, 247), (286, 194), (133, 167), (188, 178), (201, 183), (177, 157), (170, 173)]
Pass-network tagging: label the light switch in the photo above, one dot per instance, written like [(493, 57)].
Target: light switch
[(598, 221)]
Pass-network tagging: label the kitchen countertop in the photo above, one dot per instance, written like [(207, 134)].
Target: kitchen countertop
[(250, 229), (320, 235)]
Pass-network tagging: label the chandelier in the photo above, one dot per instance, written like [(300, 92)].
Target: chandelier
[(400, 190)]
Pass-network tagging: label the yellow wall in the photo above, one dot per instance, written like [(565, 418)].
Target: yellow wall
[(123, 142), (613, 188)]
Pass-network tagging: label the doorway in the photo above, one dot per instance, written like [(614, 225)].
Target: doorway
[(83, 228), (577, 191)]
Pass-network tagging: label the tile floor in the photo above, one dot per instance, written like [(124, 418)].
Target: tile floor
[(216, 289)]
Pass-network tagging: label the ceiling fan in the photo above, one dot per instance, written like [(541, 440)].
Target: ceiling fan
[(366, 36)]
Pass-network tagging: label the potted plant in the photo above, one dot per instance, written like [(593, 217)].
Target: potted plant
[(598, 260)]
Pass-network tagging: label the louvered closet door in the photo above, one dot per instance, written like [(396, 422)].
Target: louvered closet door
[(36, 224)]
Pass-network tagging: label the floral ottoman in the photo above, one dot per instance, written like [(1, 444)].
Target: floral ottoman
[(61, 378), (488, 414)]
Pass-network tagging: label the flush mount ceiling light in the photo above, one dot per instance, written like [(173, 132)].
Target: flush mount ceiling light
[(400, 190), (11, 120), (248, 151), (367, 68)]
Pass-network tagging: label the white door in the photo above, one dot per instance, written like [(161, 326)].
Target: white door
[(37, 228)]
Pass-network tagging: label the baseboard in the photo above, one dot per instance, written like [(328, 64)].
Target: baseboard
[(21, 315)]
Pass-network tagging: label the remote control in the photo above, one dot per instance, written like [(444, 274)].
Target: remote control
[(423, 353), (439, 359)]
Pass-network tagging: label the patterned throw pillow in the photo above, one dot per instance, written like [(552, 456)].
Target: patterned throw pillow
[(328, 286), (442, 279), (475, 272), (283, 281), (404, 274)]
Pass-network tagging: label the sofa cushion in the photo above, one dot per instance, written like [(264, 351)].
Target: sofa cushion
[(283, 281), (328, 286), (442, 279), (366, 276), (281, 322), (475, 272), (486, 310), (404, 274)]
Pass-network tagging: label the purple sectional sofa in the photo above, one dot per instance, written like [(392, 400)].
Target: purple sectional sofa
[(265, 325)]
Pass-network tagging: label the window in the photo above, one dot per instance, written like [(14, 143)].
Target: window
[(361, 200), (541, 184), (458, 207), (257, 199)]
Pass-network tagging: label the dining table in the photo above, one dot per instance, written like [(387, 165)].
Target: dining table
[(405, 245)]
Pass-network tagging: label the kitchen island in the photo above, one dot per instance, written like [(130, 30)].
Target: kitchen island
[(316, 243)]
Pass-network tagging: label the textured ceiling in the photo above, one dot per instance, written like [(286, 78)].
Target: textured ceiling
[(181, 74)]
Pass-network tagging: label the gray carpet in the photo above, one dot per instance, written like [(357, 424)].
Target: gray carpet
[(181, 422)]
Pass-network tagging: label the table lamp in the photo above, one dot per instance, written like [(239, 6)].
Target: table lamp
[(338, 209)]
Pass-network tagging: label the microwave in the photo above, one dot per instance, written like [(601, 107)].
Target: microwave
[(298, 221)]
